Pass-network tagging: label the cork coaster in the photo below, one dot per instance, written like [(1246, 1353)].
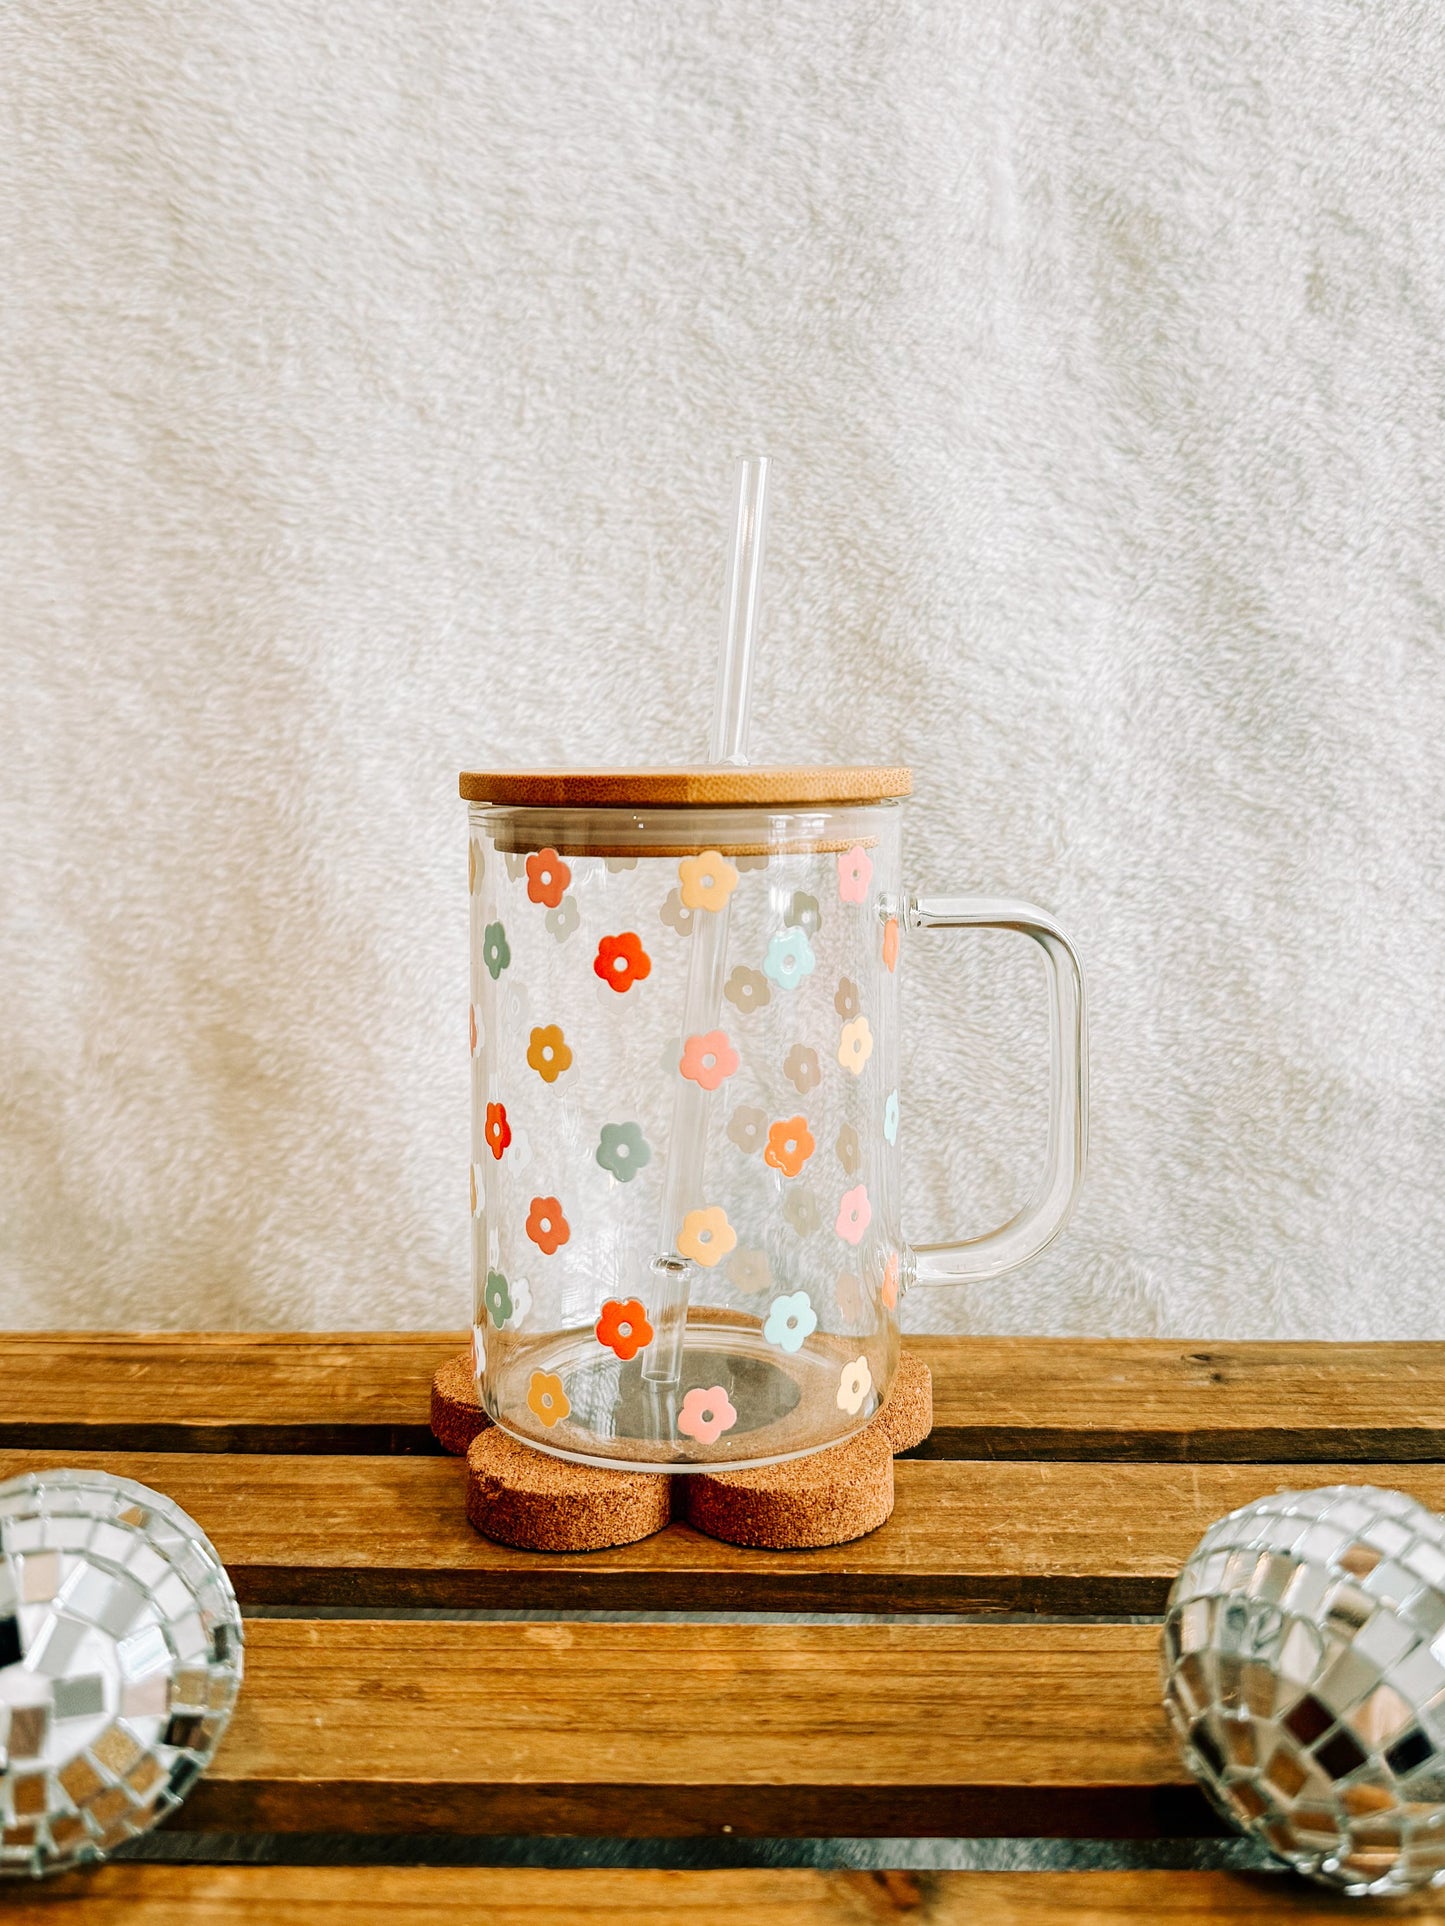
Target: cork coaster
[(826, 1498), (456, 1411), (525, 1498), (535, 1502), (907, 1418)]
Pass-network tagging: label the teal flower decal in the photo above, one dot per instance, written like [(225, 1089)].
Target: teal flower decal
[(496, 953), (790, 1320), (890, 1117), (623, 1151), (497, 1298), (789, 958)]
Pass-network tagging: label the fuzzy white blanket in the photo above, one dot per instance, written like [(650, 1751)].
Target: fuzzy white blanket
[(371, 377)]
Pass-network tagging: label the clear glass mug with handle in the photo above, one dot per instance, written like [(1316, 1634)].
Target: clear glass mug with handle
[(685, 1024)]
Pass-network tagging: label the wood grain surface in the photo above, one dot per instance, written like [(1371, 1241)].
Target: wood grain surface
[(1038, 1398), (1016, 1537), (649, 1730), (505, 1896)]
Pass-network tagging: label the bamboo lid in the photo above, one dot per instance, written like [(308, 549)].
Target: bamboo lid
[(720, 786)]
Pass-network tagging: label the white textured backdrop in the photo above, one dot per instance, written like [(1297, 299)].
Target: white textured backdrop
[(371, 377)]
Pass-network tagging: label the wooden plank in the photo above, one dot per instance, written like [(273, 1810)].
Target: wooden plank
[(667, 1729), (140, 1895), (1049, 1398), (379, 1532)]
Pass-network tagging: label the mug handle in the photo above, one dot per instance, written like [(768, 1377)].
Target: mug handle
[(1047, 1211)]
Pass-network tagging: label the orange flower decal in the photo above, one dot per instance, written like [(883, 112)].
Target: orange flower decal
[(790, 1145), (889, 1290), (548, 1052), (498, 1131), (706, 1236), (546, 1399), (890, 943), (547, 877), (621, 961), (546, 1226), (708, 1059), (623, 1327), (706, 881)]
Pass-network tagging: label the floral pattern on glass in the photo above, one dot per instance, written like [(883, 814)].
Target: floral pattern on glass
[(706, 881), (497, 1298), (623, 1327), (564, 919), (889, 1290), (546, 1226), (789, 959), (791, 1320), (546, 1400), (747, 990), (496, 951), (790, 1145), (803, 911), (547, 878), (800, 1208), (845, 998), (855, 872), (708, 1060), (706, 1236), (855, 1214), (847, 1150), (854, 1384), (676, 914), (749, 1272), (747, 1128), (621, 961), (802, 1068), (890, 1117), (497, 1131), (706, 1415), (890, 944), (623, 1151), (855, 1046), (548, 1052)]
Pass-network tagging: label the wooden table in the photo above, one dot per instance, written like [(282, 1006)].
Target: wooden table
[(983, 1668)]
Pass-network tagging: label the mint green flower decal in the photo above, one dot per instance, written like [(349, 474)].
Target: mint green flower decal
[(623, 1151), (790, 1320), (496, 953), (497, 1298), (789, 958)]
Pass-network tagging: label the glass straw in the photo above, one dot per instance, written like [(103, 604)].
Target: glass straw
[(682, 1188)]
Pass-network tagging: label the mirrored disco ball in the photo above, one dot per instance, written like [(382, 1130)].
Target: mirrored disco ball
[(120, 1657), (1304, 1674)]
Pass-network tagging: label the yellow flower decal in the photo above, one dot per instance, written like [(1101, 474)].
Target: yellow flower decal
[(706, 1236), (548, 1052), (707, 881), (546, 1399), (855, 1046)]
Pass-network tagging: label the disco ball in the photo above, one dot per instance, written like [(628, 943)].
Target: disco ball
[(1304, 1675), (120, 1657)]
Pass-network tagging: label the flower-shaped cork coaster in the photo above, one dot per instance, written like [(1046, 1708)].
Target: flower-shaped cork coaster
[(536, 1502)]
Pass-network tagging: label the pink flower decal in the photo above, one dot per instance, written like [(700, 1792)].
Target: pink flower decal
[(855, 1214), (855, 872), (889, 1290), (706, 1415), (708, 1059)]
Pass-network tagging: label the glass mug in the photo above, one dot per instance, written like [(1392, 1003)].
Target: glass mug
[(686, 1247)]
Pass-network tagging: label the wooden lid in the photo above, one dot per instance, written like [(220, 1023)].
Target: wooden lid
[(718, 787)]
